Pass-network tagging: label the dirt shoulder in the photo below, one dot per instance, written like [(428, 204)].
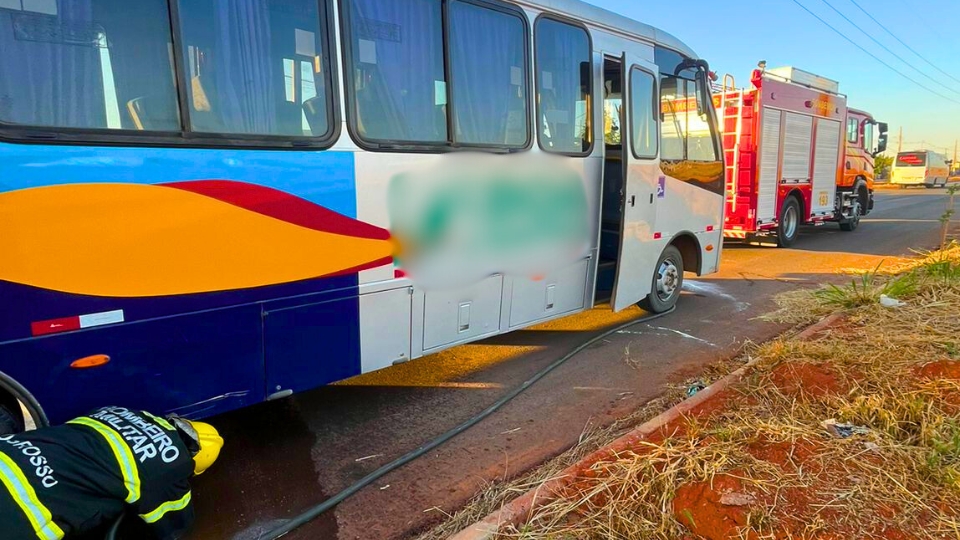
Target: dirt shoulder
[(854, 433)]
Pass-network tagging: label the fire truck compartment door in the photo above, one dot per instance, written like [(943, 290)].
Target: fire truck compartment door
[(826, 162), (768, 177), (797, 139), (639, 246)]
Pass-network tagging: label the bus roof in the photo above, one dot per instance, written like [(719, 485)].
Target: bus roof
[(610, 21)]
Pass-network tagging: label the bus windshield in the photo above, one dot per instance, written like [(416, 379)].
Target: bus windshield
[(911, 159)]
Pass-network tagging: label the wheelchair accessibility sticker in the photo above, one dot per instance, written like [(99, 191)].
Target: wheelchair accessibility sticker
[(662, 187)]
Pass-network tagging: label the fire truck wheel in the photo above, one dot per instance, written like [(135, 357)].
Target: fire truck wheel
[(667, 282), (789, 227), (853, 222)]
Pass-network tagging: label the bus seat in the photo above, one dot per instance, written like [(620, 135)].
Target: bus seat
[(200, 101), (313, 109), (203, 113), (135, 109), (149, 113)]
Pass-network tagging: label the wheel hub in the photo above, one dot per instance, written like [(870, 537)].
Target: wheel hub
[(790, 222), (668, 279)]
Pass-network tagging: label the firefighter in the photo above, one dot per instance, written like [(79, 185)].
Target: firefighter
[(756, 77), (65, 481)]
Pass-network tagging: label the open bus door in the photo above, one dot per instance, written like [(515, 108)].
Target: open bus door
[(640, 246)]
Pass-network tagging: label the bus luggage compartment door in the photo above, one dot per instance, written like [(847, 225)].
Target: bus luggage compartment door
[(309, 344), (463, 314)]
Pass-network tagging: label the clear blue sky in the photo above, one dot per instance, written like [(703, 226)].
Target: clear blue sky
[(734, 34)]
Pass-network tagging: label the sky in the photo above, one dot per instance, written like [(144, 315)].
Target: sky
[(733, 35)]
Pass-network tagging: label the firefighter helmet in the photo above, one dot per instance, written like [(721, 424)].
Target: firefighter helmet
[(207, 442), (210, 444)]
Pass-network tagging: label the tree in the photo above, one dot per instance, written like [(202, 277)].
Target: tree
[(882, 166)]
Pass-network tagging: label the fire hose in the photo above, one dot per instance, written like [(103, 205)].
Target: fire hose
[(313, 512)]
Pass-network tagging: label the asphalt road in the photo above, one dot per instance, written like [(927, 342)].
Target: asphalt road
[(285, 456)]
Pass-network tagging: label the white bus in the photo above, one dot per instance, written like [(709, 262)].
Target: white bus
[(307, 190), (920, 168)]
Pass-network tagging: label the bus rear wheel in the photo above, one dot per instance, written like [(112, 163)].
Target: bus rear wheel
[(11, 419), (667, 282)]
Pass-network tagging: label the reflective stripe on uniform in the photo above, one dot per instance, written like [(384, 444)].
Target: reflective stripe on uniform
[(128, 464), (169, 506), (26, 498), (162, 421)]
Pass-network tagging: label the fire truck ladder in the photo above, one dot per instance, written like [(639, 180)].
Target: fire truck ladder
[(731, 104)]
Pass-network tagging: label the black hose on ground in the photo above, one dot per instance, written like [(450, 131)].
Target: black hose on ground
[(319, 509)]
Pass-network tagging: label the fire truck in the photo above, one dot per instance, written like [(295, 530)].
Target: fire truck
[(795, 154)]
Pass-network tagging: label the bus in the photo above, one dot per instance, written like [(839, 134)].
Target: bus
[(920, 168), (205, 204)]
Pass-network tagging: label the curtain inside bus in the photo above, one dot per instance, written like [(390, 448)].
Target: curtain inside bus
[(488, 64), (80, 63), (563, 64), (398, 74), (255, 66)]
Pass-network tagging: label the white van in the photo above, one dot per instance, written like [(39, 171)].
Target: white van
[(922, 167)]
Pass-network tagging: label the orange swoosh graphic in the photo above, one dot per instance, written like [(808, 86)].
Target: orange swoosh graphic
[(132, 240)]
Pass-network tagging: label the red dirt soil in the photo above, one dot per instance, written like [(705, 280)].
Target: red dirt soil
[(813, 380), (944, 369), (698, 507), (786, 455)]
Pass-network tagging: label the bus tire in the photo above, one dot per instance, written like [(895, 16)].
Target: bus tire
[(11, 420), (667, 282), (788, 227)]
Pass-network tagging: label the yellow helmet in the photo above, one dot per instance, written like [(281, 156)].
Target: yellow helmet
[(209, 442)]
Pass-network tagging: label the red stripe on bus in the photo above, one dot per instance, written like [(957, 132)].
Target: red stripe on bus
[(283, 206)]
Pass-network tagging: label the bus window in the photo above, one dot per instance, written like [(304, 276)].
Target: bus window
[(700, 139), (398, 85), (911, 159), (93, 64), (853, 130), (256, 68), (563, 87), (488, 60), (642, 106), (673, 118), (686, 133)]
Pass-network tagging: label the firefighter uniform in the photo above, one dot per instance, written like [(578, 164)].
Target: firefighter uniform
[(73, 478)]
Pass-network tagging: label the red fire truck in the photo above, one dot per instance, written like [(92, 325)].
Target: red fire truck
[(795, 154)]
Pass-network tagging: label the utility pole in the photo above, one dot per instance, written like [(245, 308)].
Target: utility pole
[(900, 141), (955, 165)]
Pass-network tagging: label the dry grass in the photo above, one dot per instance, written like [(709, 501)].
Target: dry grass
[(494, 496), (904, 476)]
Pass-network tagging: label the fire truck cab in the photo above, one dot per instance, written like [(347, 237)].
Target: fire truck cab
[(795, 154)]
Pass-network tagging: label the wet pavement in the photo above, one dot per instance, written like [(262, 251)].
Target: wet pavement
[(283, 457)]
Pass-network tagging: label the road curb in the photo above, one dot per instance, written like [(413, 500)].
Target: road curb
[(519, 510)]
